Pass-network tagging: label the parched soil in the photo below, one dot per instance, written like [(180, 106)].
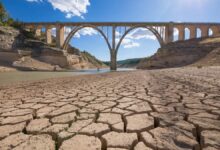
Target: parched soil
[(169, 109)]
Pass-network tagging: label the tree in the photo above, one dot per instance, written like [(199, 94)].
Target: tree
[(3, 14)]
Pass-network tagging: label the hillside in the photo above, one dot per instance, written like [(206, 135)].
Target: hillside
[(129, 63), (195, 52), (19, 49)]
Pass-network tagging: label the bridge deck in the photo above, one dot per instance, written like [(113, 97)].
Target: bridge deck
[(121, 23)]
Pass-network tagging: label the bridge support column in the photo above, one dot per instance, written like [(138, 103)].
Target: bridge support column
[(169, 33), (216, 30), (181, 33), (38, 31), (113, 65), (193, 33), (205, 31), (48, 35), (59, 35)]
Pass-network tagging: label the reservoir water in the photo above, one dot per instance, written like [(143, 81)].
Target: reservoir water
[(18, 76)]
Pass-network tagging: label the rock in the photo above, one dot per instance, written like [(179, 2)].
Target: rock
[(37, 142), (81, 142), (210, 138), (37, 125), (139, 122), (122, 140)]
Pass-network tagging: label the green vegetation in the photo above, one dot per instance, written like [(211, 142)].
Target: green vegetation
[(127, 63), (92, 59), (5, 19)]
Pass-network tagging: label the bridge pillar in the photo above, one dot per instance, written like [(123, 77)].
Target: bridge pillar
[(59, 35), (48, 35), (205, 31), (193, 32), (169, 33), (113, 65), (38, 31), (181, 33), (216, 30)]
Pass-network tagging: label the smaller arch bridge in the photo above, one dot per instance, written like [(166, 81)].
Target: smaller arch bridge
[(163, 31)]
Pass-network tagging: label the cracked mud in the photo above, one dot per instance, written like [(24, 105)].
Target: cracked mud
[(142, 110)]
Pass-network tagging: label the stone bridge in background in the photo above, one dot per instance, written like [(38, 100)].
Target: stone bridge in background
[(164, 32)]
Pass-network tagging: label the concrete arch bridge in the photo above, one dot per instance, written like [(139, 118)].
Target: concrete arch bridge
[(163, 31)]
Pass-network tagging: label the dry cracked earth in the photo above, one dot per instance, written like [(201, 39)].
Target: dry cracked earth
[(172, 109)]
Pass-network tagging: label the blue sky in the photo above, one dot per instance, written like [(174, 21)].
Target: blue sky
[(117, 11)]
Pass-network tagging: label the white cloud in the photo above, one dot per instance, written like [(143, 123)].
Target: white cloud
[(131, 40), (69, 7), (83, 32), (142, 34), (88, 31), (128, 43)]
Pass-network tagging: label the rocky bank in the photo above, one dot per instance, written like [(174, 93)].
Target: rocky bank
[(195, 52), (19, 49)]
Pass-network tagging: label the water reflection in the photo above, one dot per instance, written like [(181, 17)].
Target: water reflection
[(13, 77)]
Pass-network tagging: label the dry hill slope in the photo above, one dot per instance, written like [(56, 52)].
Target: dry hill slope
[(199, 52)]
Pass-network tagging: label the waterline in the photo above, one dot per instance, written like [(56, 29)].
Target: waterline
[(14, 77)]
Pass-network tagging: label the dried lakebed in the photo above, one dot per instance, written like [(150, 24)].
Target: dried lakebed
[(141, 110)]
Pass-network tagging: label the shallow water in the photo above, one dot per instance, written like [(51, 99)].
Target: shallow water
[(13, 77)]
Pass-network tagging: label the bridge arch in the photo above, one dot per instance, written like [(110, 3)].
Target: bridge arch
[(154, 31), (187, 33), (199, 32), (75, 30), (176, 33)]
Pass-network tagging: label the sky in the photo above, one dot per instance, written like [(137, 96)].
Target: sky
[(138, 43)]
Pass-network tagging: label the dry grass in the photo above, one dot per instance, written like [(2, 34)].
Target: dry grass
[(211, 40)]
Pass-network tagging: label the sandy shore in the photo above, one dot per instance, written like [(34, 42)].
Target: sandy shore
[(138, 110)]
